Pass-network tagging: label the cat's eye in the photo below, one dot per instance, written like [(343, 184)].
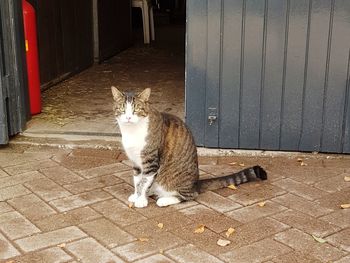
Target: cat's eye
[(137, 108), (121, 108)]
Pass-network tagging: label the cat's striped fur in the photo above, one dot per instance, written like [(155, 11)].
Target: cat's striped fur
[(164, 154)]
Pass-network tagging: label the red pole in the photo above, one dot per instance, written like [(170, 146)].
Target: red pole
[(30, 35)]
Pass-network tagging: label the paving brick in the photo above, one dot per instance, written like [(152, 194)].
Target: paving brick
[(47, 189), (139, 249), (48, 239), (7, 250), (254, 231), (3, 173), (153, 210), (91, 184), (306, 244), (260, 251), (219, 170), (305, 191), (61, 175), (82, 249), (334, 200), (211, 219), (4, 207), (190, 253), (78, 163), (121, 191), (217, 202), (343, 260), (12, 191), (296, 257), (118, 212), (20, 179), (253, 212), (50, 255), (159, 258), (107, 233), (126, 176), (252, 193), (306, 223), (70, 218), (31, 206), (310, 174), (339, 217), (11, 158), (302, 205), (341, 239), (75, 201), (14, 225), (97, 153), (30, 166), (333, 184), (103, 170)]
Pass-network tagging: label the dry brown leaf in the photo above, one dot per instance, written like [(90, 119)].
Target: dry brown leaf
[(200, 229), (299, 160), (303, 164), (229, 231), (347, 178), (161, 251), (242, 164), (223, 242), (232, 187), (345, 206), (262, 204), (160, 225), (319, 240), (143, 239), (233, 163), (131, 205), (62, 245)]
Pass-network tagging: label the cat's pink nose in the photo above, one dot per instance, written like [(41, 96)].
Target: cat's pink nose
[(128, 118)]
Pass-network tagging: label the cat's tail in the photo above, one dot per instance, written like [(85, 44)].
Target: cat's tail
[(247, 175)]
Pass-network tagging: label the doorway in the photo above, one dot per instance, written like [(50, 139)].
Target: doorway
[(82, 104)]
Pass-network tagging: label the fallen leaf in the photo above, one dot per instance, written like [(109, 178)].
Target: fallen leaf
[(233, 163), (345, 206), (161, 251), (242, 164), (261, 204), (300, 160), (232, 186), (160, 225), (131, 205), (223, 242), (62, 245), (229, 231), (303, 164), (319, 240), (143, 239), (200, 229), (347, 178)]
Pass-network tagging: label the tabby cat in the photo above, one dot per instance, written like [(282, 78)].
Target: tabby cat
[(164, 154)]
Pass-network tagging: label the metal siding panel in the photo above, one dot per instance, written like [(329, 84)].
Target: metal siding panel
[(196, 61), (230, 78), (213, 71), (273, 78), (251, 82), (294, 79), (337, 79), (315, 79), (346, 119)]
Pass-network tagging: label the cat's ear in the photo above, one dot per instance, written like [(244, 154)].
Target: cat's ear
[(144, 95), (117, 95)]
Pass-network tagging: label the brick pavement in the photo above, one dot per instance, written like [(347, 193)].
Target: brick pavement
[(59, 205)]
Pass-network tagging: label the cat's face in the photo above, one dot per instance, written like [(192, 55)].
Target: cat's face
[(130, 108)]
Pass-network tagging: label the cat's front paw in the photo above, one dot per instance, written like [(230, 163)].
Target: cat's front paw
[(132, 198), (140, 202)]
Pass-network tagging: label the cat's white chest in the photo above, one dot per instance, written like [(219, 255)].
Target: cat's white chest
[(134, 139)]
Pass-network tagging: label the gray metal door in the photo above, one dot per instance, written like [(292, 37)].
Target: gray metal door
[(13, 85), (269, 74)]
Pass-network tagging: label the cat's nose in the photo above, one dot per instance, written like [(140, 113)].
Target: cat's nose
[(128, 118)]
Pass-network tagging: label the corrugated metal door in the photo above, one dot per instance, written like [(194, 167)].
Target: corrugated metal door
[(269, 74), (14, 108)]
